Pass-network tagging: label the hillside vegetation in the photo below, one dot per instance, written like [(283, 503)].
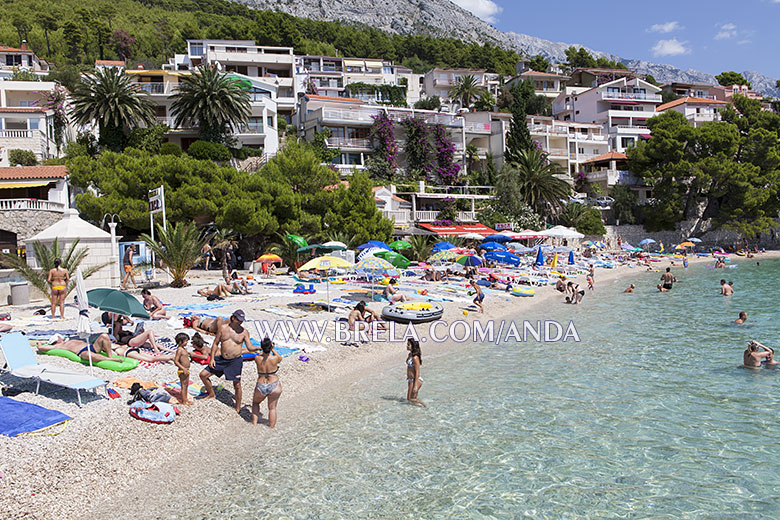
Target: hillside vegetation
[(77, 32)]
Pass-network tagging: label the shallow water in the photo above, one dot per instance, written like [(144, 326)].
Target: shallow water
[(650, 416)]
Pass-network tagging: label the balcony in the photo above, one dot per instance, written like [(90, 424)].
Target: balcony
[(632, 96), (558, 152), (350, 142), (31, 205), (478, 128), (409, 217), (613, 177), (443, 83), (349, 115), (155, 89), (251, 129)]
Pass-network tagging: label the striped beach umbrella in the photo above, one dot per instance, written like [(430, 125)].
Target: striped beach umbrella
[(443, 256)]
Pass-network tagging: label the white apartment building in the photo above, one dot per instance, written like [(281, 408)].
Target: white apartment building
[(696, 110), (547, 84), (260, 131), (274, 65), (688, 89), (439, 81), (621, 107), (349, 121), (568, 143), (486, 131), (21, 59), (330, 76), (25, 122)]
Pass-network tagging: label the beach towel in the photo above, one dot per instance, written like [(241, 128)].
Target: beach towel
[(196, 306), (203, 315), (194, 389), (279, 311), (47, 333), (17, 417), (127, 382), (282, 351)]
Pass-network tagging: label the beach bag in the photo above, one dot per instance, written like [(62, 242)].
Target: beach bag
[(158, 413)]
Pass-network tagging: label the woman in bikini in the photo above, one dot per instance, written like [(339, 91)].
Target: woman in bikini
[(413, 363), (125, 337), (58, 279), (204, 325), (135, 353), (153, 305), (268, 384), (221, 290)]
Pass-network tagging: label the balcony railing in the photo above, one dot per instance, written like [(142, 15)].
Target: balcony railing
[(558, 152), (478, 128), (407, 216), (631, 127), (20, 134), (399, 216), (251, 129), (349, 142), (349, 115), (634, 96), (152, 88), (31, 204), (613, 177)]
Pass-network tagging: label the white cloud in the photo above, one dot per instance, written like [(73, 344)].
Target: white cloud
[(667, 27), (727, 31), (672, 47), (485, 9)]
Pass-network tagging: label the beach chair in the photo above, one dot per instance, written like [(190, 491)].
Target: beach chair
[(23, 364)]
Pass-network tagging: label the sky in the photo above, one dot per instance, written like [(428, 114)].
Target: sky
[(711, 36)]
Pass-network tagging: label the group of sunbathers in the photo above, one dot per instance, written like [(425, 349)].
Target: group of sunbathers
[(233, 285)]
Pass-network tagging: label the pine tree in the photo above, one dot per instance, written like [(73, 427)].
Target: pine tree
[(519, 138)]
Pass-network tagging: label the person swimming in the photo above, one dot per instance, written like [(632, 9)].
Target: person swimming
[(742, 318), (752, 357), (630, 289)]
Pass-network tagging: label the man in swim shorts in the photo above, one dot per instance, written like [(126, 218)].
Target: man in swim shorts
[(667, 281), (479, 297), (226, 356)]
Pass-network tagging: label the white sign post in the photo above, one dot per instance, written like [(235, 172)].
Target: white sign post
[(156, 205)]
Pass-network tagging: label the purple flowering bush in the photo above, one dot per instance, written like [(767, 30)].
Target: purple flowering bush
[(447, 170)]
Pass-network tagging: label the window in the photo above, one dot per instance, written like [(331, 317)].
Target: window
[(270, 121), (29, 61), (580, 150), (25, 103), (255, 125), (257, 94), (196, 49), (387, 70), (33, 123), (353, 158), (625, 142), (13, 60)]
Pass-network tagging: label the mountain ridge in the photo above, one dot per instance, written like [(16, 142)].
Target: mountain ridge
[(446, 19)]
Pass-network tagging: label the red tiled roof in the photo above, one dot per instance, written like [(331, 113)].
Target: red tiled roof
[(33, 172), (5, 48), (120, 63), (609, 156), (689, 100), (537, 73), (23, 109), (334, 98)]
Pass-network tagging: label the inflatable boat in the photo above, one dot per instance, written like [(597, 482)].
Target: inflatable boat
[(413, 312)]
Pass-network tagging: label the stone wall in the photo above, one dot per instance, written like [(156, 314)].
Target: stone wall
[(27, 223)]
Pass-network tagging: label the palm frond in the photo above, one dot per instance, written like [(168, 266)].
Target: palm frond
[(178, 248)]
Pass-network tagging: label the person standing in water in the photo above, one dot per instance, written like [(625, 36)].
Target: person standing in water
[(413, 363), (742, 318), (58, 279), (752, 357), (268, 384), (226, 356), (667, 281), (725, 289)]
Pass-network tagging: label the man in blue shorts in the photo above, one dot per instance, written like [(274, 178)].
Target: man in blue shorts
[(479, 296), (226, 355)]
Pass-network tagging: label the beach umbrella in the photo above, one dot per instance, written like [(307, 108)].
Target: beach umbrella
[(335, 245), (489, 246), (694, 239), (114, 300), (561, 249), (399, 245), (600, 245), (647, 241), (269, 259), (325, 262), (83, 326), (297, 240), (539, 257), (562, 232), (504, 257), (369, 252), (397, 259), (554, 262), (377, 266), (571, 257), (469, 260), (443, 246), (473, 236), (523, 249), (443, 256), (374, 243), (497, 238)]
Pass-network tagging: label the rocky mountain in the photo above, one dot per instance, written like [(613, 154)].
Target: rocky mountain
[(443, 18)]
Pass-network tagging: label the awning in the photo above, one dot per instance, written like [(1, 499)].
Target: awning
[(373, 64), (460, 229), (353, 63), (645, 136), (31, 184)]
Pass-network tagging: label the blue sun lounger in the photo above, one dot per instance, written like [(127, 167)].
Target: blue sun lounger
[(23, 364)]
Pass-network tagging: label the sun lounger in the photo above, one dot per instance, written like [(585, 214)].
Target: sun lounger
[(22, 363)]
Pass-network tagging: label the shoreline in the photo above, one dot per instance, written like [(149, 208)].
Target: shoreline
[(59, 480)]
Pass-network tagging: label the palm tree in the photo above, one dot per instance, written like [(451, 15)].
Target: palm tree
[(421, 247), (108, 97), (532, 180), (223, 240), (179, 249), (572, 214), (472, 157), (45, 257), (486, 102), (340, 236), (214, 100), (465, 90)]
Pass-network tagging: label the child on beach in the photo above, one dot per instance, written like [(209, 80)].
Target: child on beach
[(200, 354), (182, 362), (479, 297)]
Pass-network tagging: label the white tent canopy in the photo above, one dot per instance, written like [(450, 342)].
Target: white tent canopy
[(563, 232)]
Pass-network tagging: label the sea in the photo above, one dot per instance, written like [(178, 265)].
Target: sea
[(649, 415)]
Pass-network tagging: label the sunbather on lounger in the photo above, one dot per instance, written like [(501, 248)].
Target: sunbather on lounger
[(220, 290), (100, 346)]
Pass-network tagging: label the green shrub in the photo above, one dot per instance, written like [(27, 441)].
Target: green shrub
[(591, 223), (205, 150), (245, 151), (22, 157), (170, 149)]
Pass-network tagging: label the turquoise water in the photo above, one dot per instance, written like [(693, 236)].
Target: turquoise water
[(650, 416)]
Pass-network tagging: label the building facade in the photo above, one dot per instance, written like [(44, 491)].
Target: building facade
[(568, 143), (25, 121), (12, 59), (439, 82), (696, 110)]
